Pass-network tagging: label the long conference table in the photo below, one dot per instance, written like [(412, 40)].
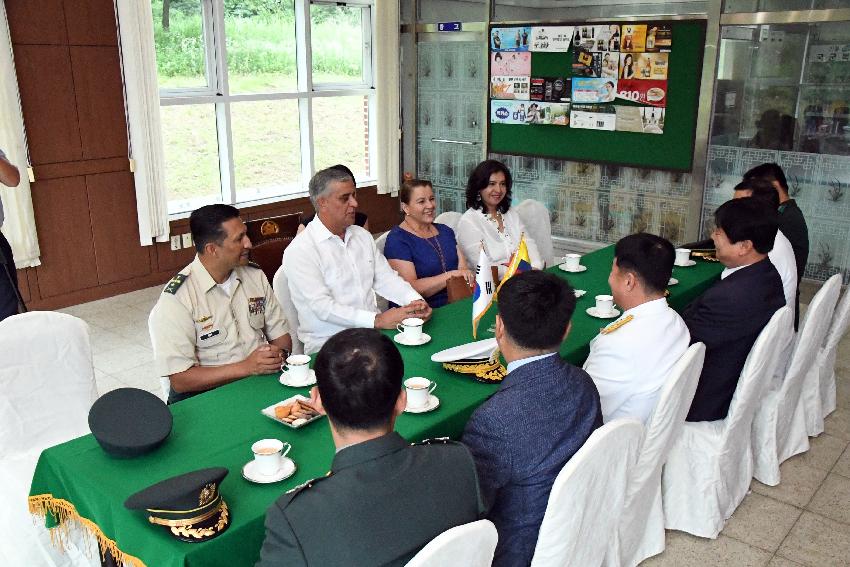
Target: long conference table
[(218, 427)]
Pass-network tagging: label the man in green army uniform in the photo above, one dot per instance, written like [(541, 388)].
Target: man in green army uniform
[(384, 499)]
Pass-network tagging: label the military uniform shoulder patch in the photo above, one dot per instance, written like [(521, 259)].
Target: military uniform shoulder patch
[(616, 325), (254, 265), (175, 283)]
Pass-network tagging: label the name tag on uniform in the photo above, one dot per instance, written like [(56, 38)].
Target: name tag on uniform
[(211, 334)]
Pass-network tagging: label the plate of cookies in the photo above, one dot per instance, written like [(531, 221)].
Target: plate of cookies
[(294, 412)]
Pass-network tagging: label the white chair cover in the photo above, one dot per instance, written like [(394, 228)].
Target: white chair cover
[(449, 218), (821, 402), (710, 466), (381, 241), (47, 387), (281, 292), (640, 533), (471, 545), (779, 427), (587, 498), (535, 217)]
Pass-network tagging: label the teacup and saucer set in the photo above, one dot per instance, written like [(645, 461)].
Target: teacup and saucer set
[(420, 397), (270, 462), (604, 308), (572, 264), (410, 332), (297, 372)]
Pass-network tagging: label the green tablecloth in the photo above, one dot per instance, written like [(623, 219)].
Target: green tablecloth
[(218, 427)]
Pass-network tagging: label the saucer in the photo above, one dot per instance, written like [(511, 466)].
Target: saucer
[(673, 281), (249, 472), (610, 315), (400, 339), (579, 292), (576, 271), (687, 264), (433, 403), (286, 380)]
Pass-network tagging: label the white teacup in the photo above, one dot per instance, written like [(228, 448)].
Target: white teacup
[(298, 367), (604, 304), (411, 328), (418, 391), (682, 256), (269, 454), (572, 261)]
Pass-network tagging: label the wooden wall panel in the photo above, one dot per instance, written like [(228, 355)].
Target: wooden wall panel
[(91, 22), (115, 228), (64, 235), (37, 22), (100, 101), (47, 99)]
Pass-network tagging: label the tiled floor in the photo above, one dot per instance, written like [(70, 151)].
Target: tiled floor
[(805, 520)]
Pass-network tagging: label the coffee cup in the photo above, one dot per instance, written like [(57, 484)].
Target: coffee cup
[(604, 304), (269, 454), (298, 367), (572, 261), (418, 391), (411, 328), (682, 256)]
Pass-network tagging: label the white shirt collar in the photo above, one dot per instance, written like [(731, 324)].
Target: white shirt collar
[(652, 306), (321, 233), (729, 271), (523, 361)]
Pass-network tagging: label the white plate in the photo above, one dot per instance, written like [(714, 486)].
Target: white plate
[(250, 472), (402, 340), (477, 349), (687, 264), (433, 403), (580, 292), (269, 411), (286, 379), (610, 315), (673, 281), (576, 271)]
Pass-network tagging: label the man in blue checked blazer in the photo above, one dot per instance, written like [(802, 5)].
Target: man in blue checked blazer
[(542, 414)]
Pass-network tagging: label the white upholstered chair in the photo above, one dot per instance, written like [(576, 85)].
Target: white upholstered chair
[(470, 545), (449, 218), (710, 466), (535, 217), (381, 241), (640, 532), (587, 498), (47, 387), (280, 286), (779, 427)]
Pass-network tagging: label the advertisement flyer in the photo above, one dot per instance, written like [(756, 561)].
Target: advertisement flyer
[(652, 119), (641, 119), (593, 116), (607, 37), (507, 112), (593, 90), (584, 37), (510, 63), (551, 39), (634, 37), (610, 65), (646, 92), (651, 65), (554, 113), (516, 88), (551, 89), (628, 68), (510, 39), (659, 37), (586, 63)]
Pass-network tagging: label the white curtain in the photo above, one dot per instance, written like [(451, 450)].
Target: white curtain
[(387, 81), (141, 95), (19, 226)]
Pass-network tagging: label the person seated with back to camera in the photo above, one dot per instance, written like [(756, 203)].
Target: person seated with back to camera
[(360, 219), (423, 252), (631, 358), (334, 269), (383, 499), (489, 218)]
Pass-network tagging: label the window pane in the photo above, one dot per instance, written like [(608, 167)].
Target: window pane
[(341, 133), (191, 156), (780, 5), (337, 43), (266, 147), (179, 39), (260, 45)]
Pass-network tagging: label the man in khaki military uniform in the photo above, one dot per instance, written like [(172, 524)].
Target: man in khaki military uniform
[(217, 320)]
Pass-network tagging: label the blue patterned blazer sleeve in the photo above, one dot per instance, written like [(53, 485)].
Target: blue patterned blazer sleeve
[(492, 455)]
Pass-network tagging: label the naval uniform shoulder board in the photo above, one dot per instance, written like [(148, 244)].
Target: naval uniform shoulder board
[(175, 283), (254, 265), (616, 325), (293, 492), (436, 441)]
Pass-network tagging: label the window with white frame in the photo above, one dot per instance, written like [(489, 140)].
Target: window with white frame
[(257, 95)]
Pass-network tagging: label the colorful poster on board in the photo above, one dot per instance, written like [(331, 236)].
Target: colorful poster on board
[(593, 90), (647, 92), (652, 119), (553, 113), (640, 119), (628, 66), (510, 63), (610, 64), (586, 63), (659, 37), (634, 38), (510, 88), (551, 38), (508, 112), (510, 39), (607, 37), (551, 89), (651, 66), (593, 116)]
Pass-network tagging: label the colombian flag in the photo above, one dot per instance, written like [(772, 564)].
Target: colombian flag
[(482, 294), (519, 262)]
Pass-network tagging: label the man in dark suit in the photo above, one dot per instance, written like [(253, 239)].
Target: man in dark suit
[(543, 413), (383, 499), (729, 316)]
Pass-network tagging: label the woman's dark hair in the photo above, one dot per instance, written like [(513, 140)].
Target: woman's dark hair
[(478, 180)]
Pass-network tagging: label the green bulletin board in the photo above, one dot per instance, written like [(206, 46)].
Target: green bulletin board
[(670, 150)]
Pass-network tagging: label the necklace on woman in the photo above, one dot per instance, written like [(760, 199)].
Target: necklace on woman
[(435, 244), (497, 219)]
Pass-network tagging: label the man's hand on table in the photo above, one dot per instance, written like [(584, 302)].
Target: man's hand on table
[(390, 318), (265, 359)]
